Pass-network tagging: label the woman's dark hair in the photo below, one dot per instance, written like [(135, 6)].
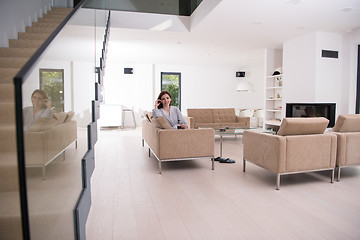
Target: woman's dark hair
[(41, 92), (160, 96)]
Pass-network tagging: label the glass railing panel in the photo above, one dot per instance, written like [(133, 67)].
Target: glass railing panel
[(59, 90), (173, 7)]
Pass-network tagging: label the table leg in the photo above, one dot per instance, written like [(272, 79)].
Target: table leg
[(220, 146)]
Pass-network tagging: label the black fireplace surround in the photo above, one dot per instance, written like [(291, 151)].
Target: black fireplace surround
[(326, 110)]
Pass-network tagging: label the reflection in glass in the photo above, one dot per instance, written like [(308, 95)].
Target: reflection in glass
[(55, 143)]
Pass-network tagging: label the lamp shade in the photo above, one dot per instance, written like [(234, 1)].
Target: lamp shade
[(245, 86)]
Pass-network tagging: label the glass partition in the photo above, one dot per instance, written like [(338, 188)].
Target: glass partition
[(57, 96)]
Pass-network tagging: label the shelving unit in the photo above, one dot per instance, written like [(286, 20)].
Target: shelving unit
[(273, 102)]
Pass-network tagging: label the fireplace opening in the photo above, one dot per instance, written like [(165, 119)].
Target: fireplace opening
[(326, 110)]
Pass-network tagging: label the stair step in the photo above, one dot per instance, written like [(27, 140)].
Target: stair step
[(12, 62), (59, 16), (33, 36), (8, 174), (10, 228), (61, 10), (50, 20), (7, 116), (8, 146), (20, 43), (7, 92), (7, 74), (36, 29), (10, 220), (45, 25), (17, 52)]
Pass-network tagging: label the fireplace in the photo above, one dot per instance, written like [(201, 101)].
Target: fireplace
[(326, 110)]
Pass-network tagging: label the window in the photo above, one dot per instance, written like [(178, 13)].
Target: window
[(52, 82), (171, 82)]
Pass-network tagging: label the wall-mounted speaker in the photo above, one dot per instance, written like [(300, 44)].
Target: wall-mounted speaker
[(240, 74), (128, 71)]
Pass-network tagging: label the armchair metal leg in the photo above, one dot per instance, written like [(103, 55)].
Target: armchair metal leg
[(149, 152), (278, 181), (338, 174), (212, 163), (244, 165), (159, 166), (142, 141), (332, 175)]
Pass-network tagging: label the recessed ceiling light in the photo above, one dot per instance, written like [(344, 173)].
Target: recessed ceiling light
[(295, 2), (347, 9)]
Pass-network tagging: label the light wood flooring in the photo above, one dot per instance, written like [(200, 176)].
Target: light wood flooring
[(130, 200)]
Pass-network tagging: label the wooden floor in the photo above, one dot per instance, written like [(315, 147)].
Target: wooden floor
[(130, 200)]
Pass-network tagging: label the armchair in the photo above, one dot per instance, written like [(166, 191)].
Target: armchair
[(300, 146), (347, 129)]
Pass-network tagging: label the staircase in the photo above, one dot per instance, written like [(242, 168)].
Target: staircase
[(11, 61)]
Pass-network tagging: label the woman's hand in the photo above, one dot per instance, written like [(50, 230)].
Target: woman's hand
[(183, 126), (157, 103)]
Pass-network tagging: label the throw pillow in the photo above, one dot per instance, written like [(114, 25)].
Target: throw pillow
[(161, 122), (69, 116), (60, 117)]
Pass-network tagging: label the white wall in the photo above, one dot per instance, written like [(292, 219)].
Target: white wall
[(15, 15), (308, 77), (299, 69), (328, 70), (201, 87), (349, 71)]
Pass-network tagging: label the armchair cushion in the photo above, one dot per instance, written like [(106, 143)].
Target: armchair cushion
[(347, 123), (303, 126)]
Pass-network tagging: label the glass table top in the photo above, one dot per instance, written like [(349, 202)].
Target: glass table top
[(239, 131)]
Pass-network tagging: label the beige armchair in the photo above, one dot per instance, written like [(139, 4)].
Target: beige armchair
[(299, 146), (347, 129), (168, 144)]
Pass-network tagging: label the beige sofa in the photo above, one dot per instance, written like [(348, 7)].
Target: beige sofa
[(168, 144), (347, 130), (299, 146), (216, 118), (48, 138)]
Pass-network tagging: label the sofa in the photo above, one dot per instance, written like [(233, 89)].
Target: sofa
[(168, 144), (48, 138), (347, 130), (299, 146), (216, 118)]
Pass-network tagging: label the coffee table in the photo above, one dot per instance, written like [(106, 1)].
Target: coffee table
[(234, 132)]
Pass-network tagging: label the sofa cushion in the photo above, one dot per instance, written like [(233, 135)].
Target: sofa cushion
[(201, 115), (161, 122), (224, 115), (302, 126), (43, 124), (347, 123)]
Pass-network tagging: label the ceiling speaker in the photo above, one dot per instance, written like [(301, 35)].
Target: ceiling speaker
[(240, 74)]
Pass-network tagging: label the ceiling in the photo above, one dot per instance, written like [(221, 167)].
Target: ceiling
[(225, 32)]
